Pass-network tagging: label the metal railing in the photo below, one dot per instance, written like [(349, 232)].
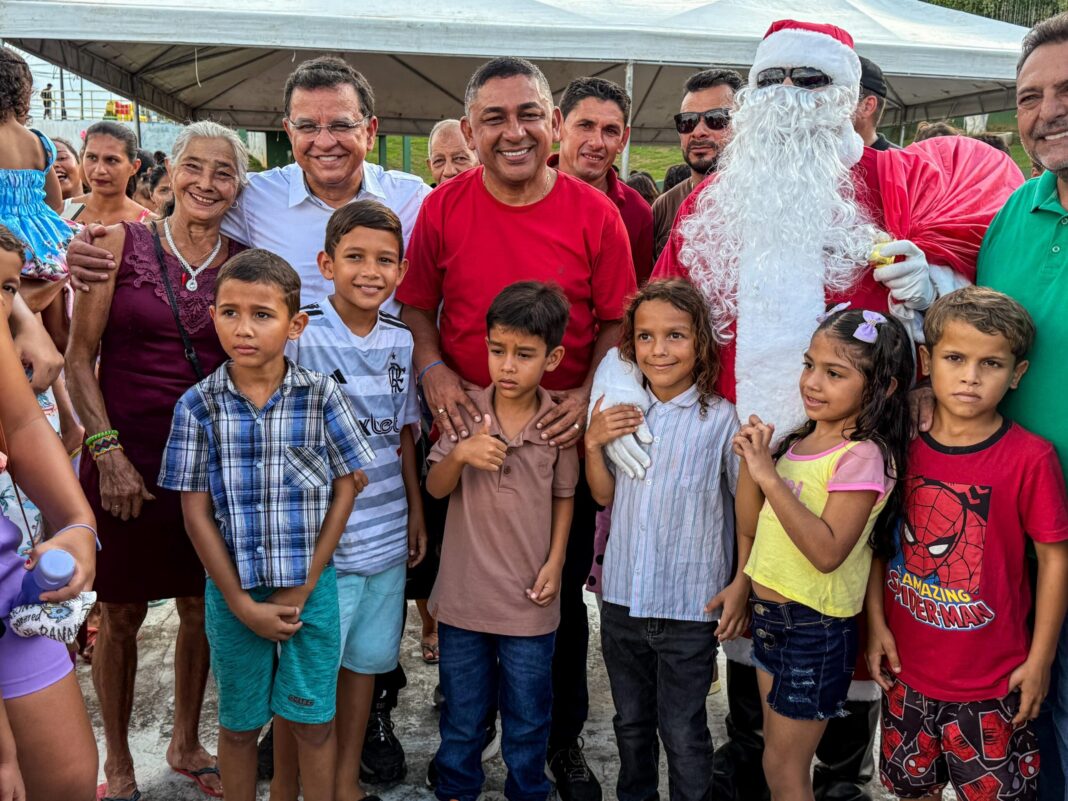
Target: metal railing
[(88, 104)]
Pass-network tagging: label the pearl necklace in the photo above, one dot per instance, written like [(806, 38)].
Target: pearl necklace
[(191, 281)]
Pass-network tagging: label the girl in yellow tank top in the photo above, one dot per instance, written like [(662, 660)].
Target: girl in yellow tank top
[(808, 519)]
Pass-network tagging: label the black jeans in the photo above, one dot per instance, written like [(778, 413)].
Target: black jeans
[(571, 697), (660, 672)]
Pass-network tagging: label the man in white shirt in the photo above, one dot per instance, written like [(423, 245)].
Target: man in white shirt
[(329, 118)]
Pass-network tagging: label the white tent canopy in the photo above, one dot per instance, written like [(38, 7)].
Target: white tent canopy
[(228, 59)]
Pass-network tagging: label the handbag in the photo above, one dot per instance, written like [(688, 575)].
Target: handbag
[(187, 344)]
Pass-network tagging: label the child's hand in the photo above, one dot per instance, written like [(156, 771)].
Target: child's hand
[(482, 450), (291, 596), (753, 443), (882, 645), (735, 603), (1032, 680), (416, 539), (11, 786), (546, 585), (611, 424), (80, 543), (359, 478), (270, 620)]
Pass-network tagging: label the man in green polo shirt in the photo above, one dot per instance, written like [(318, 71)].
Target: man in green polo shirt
[(1025, 255)]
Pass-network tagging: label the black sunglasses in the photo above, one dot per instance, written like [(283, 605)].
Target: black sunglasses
[(803, 77), (715, 118)]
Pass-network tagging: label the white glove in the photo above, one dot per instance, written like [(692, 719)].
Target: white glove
[(620, 382), (909, 280)]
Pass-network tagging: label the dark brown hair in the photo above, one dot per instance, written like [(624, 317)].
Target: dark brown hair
[(11, 243), (531, 307), (258, 266), (683, 296), (327, 72), (1049, 31), (986, 310), (362, 214), (16, 85)]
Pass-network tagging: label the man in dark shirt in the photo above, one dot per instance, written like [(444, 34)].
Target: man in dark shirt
[(871, 105), (702, 136), (595, 129)]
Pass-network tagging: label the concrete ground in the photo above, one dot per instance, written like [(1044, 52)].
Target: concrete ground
[(415, 719)]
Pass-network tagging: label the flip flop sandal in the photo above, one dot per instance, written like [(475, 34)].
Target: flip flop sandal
[(198, 777), (431, 655), (101, 794)]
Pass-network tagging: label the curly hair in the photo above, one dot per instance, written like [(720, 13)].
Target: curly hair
[(888, 367), (16, 85), (683, 296)]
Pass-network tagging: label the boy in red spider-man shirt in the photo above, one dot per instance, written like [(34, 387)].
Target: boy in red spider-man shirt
[(969, 676)]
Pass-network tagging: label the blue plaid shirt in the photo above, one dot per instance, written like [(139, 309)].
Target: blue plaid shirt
[(269, 470)]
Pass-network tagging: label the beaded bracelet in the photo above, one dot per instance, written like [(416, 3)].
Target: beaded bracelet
[(106, 444), (111, 432)]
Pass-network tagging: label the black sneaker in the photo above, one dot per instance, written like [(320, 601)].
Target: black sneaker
[(491, 744), (574, 779), (439, 698), (265, 756), (383, 755)]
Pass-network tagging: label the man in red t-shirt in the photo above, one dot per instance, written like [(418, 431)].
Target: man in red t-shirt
[(516, 219), (966, 676), (593, 131)]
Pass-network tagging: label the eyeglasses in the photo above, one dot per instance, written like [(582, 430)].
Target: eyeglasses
[(338, 129), (715, 118), (802, 77)]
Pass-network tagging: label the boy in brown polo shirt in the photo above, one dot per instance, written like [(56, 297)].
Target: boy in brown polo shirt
[(496, 595)]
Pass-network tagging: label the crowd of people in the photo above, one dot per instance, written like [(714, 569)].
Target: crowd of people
[(800, 404)]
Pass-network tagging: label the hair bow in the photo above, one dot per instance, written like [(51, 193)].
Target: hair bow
[(822, 318), (867, 330)]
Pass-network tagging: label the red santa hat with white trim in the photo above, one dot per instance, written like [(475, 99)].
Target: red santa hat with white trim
[(828, 48)]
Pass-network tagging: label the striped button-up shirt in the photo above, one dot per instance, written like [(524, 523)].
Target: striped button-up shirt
[(269, 471), (672, 540)]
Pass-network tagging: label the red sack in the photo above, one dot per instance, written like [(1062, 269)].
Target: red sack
[(942, 193)]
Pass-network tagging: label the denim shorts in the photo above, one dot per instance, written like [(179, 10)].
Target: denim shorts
[(810, 657)]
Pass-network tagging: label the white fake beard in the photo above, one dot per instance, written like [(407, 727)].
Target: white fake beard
[(779, 227)]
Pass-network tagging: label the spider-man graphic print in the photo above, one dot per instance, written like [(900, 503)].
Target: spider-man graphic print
[(939, 569), (957, 594)]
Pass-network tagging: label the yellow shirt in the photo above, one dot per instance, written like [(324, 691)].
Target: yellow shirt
[(778, 564)]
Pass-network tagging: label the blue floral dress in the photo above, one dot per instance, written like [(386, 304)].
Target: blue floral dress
[(25, 213)]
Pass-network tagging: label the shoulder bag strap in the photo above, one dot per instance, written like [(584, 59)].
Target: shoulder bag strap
[(190, 352)]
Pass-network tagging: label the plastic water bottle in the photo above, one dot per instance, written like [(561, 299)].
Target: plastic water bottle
[(53, 570)]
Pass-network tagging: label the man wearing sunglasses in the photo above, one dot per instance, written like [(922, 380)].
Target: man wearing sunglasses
[(703, 124)]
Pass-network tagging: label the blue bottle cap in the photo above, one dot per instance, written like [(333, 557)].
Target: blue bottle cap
[(54, 569)]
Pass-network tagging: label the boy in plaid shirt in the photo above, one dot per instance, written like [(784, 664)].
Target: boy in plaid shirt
[(264, 453)]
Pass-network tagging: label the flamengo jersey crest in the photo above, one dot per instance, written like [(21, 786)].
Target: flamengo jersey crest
[(937, 573)]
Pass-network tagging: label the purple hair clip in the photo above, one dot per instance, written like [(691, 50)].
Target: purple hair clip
[(822, 318), (867, 330)]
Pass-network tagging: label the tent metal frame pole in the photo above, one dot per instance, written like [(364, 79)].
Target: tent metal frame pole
[(137, 121), (624, 170)]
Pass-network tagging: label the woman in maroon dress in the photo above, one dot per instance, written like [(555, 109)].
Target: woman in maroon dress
[(155, 339)]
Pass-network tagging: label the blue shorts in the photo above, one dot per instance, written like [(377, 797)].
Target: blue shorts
[(810, 657), (258, 678), (372, 619)]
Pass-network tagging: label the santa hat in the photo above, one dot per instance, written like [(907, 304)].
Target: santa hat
[(828, 48)]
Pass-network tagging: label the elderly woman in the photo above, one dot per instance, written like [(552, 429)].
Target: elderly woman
[(151, 324)]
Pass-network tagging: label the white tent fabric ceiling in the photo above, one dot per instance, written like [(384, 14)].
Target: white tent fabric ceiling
[(228, 59)]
